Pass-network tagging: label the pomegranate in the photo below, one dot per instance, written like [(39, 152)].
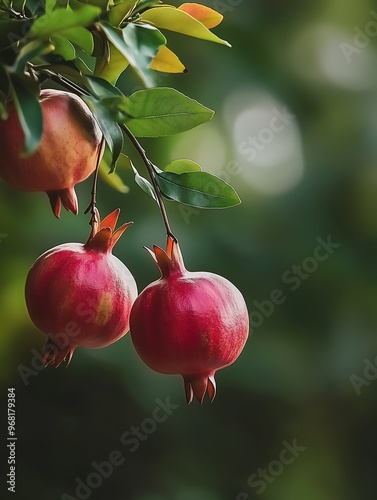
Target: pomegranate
[(188, 323), (67, 154), (81, 294)]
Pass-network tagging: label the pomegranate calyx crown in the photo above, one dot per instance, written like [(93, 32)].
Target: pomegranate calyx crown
[(103, 236), (199, 386), (169, 261)]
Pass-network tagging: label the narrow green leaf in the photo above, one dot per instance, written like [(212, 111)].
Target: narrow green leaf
[(3, 100), (101, 88), (50, 5), (182, 167), (62, 19), (197, 189), (82, 66), (144, 4), (81, 37), (163, 111), (110, 129), (19, 5), (103, 4), (29, 110), (29, 51), (35, 6), (64, 48), (121, 11), (144, 184)]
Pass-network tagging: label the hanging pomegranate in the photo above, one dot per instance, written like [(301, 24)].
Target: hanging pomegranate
[(81, 294), (188, 323), (67, 154)]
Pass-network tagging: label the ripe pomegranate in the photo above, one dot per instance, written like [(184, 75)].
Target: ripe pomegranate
[(188, 323), (80, 294), (67, 154)]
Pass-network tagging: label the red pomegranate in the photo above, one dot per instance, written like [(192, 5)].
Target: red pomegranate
[(188, 323), (81, 294), (67, 154)]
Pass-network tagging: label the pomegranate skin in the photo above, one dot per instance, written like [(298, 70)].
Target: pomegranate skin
[(189, 323), (67, 154), (81, 295)]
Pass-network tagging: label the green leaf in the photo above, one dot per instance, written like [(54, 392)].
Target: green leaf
[(144, 4), (81, 37), (29, 51), (121, 11), (29, 110), (12, 31), (197, 189), (182, 167), (111, 64), (3, 100), (62, 19), (101, 88), (144, 184), (173, 19), (50, 6), (19, 5), (163, 111), (103, 4), (64, 48), (110, 129), (138, 44), (144, 43), (34, 6)]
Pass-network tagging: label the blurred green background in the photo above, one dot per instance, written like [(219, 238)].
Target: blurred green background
[(301, 377)]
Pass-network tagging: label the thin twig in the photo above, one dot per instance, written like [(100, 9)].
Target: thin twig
[(139, 148), (149, 165), (93, 202)]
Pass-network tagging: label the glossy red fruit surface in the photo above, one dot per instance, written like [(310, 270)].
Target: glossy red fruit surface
[(188, 323), (67, 154), (81, 294)]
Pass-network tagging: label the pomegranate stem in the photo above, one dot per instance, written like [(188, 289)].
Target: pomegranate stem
[(150, 167), (151, 173), (93, 202)]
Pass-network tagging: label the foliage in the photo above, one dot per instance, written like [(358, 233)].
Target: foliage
[(84, 47)]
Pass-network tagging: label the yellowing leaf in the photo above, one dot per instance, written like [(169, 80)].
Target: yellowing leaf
[(207, 16), (167, 62), (173, 19), (111, 65)]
